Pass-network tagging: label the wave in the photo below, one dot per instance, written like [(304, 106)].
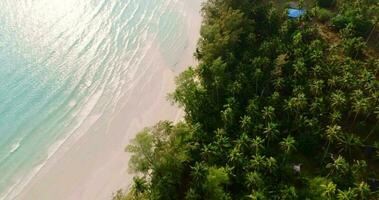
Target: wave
[(80, 79), (14, 190), (11, 192), (14, 147)]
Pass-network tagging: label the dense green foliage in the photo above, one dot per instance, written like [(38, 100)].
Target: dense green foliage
[(275, 109), (324, 15), (360, 16), (326, 3)]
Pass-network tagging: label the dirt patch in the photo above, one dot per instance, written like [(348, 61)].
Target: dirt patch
[(328, 34)]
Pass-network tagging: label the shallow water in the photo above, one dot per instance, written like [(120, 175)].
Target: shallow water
[(63, 63)]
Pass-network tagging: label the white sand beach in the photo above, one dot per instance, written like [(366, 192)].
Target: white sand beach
[(92, 164)]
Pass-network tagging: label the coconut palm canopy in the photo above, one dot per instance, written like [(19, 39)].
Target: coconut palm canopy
[(267, 94)]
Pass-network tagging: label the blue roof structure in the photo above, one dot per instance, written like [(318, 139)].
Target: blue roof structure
[(295, 13)]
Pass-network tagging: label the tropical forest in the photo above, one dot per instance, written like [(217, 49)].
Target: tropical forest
[(278, 107)]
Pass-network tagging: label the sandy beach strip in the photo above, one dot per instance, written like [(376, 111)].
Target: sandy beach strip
[(92, 164)]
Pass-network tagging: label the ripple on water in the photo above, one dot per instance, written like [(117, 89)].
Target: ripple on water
[(65, 64)]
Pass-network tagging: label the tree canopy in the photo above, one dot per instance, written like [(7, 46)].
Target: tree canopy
[(276, 108)]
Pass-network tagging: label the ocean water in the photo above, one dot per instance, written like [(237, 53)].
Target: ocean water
[(64, 63)]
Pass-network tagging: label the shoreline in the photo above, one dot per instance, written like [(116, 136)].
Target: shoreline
[(92, 163)]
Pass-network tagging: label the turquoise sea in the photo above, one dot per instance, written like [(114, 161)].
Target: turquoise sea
[(68, 62)]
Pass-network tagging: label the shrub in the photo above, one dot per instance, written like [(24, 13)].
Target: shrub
[(324, 15)]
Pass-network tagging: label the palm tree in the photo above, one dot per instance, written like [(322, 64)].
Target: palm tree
[(297, 103), (253, 107), (254, 180), (290, 104), (245, 122), (335, 116), (257, 144), (316, 70), (312, 123), (317, 105), (299, 69), (227, 114), (279, 83), (363, 190), (271, 131), (339, 165), (359, 169), (366, 77), (235, 155), (348, 142), (268, 113), (360, 106), (347, 195), (337, 99), (288, 144), (332, 82), (332, 133), (258, 162), (275, 98), (243, 142), (271, 164), (329, 190), (316, 87)]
